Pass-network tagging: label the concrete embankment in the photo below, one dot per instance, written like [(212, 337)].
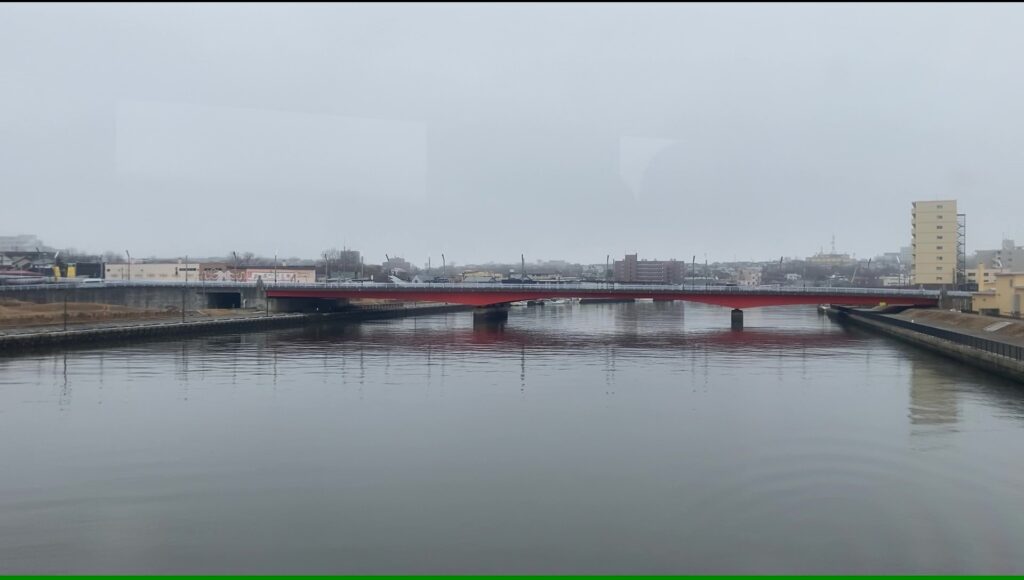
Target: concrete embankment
[(146, 328), (992, 344)]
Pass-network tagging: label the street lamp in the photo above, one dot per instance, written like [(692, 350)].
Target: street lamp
[(129, 264), (706, 273), (184, 290)]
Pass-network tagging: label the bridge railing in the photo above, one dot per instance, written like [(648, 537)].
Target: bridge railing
[(497, 287)]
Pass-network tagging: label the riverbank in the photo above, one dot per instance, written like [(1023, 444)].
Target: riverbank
[(87, 334), (992, 344), (17, 315)]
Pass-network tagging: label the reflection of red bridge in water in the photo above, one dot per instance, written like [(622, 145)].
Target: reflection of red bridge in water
[(497, 296), (499, 337)]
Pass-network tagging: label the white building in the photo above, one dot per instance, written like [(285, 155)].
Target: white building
[(749, 277), (153, 271)]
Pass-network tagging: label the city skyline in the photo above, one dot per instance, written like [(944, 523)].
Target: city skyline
[(435, 259)]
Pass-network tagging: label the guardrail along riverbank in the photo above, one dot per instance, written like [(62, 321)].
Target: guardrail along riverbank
[(997, 347), (98, 333)]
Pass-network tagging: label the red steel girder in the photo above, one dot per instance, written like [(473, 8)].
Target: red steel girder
[(740, 300)]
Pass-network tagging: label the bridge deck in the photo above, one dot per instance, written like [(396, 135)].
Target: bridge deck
[(491, 294)]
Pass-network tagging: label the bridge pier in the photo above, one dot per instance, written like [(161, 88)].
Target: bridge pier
[(494, 313), (737, 319)]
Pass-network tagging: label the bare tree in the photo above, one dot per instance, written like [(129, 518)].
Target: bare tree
[(332, 260)]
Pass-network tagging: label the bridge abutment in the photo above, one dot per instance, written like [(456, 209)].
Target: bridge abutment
[(307, 305), (737, 319)]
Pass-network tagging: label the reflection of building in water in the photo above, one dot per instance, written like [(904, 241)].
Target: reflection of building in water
[(627, 320), (932, 397)]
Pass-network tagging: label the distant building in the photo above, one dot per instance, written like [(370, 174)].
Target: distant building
[(831, 259), (1005, 297), (632, 270), (281, 274), (1009, 258), (749, 277), (888, 258), (26, 260), (206, 272), (158, 271), (478, 277), (554, 278), (934, 239), (349, 260), (982, 277), (397, 264)]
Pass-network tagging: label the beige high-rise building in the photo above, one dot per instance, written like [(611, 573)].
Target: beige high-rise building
[(934, 238)]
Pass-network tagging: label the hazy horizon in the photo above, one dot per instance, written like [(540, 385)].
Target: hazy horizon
[(739, 132)]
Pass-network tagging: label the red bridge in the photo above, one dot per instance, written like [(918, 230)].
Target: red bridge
[(492, 298), (495, 294)]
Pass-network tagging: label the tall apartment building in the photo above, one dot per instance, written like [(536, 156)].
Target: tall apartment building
[(647, 271), (935, 241)]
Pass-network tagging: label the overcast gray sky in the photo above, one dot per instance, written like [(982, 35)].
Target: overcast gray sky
[(486, 131)]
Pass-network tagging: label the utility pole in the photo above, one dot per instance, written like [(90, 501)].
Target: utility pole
[(129, 265), (184, 291), (65, 309)]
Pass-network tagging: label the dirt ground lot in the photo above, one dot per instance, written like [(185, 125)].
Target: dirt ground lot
[(16, 313), (971, 322)]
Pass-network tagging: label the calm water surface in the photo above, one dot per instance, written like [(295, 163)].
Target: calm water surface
[(644, 438)]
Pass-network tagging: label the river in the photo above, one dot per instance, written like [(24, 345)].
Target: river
[(605, 438)]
